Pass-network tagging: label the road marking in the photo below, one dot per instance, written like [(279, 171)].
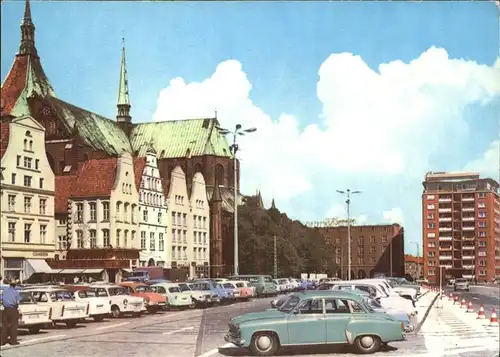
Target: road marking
[(111, 326), (215, 350), (179, 330), (42, 339)]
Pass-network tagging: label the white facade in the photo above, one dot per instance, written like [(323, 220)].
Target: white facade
[(183, 211), (153, 225), (108, 221), (27, 201)]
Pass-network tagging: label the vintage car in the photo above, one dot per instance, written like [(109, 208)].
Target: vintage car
[(315, 317), (175, 297), (242, 290), (461, 284), (407, 292), (32, 316), (264, 285), (210, 287), (99, 307), (227, 293), (404, 283), (64, 307), (153, 301), (201, 298), (120, 300)]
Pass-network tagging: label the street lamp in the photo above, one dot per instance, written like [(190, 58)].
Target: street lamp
[(238, 130), (348, 194), (418, 258)]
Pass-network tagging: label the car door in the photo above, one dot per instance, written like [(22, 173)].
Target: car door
[(337, 316), (306, 323)]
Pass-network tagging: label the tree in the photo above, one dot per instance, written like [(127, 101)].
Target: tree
[(300, 249)]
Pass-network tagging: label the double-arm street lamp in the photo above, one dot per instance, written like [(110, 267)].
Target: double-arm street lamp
[(347, 193), (238, 130)]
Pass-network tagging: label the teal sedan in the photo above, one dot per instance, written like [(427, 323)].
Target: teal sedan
[(315, 318)]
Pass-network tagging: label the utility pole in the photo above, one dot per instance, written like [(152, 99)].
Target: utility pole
[(418, 258), (234, 149), (390, 257), (275, 259), (348, 194)]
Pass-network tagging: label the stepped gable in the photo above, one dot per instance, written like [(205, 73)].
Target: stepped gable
[(176, 138), (64, 186), (95, 178), (139, 164)]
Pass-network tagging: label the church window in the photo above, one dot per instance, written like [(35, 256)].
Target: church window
[(219, 174)]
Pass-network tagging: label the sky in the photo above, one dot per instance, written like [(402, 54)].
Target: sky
[(368, 96)]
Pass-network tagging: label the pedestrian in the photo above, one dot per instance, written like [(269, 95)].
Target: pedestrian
[(75, 280), (10, 315)]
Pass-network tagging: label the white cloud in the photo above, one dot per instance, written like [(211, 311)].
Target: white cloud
[(375, 127), (394, 215), (488, 163)]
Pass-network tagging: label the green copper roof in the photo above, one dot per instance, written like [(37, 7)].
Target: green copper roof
[(98, 132), (180, 138), (123, 97)]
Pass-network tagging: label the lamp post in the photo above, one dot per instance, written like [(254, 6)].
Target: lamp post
[(418, 258), (348, 194), (238, 130)]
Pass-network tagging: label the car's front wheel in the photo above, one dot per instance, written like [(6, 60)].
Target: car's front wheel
[(367, 344), (264, 344)]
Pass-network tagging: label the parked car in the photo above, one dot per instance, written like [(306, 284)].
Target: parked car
[(408, 320), (242, 290), (461, 284), (121, 302), (229, 292), (312, 318), (263, 284), (217, 295), (99, 307), (64, 307), (175, 297), (152, 301), (32, 316), (200, 298)]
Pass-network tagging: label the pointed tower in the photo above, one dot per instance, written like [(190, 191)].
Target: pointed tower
[(273, 204), (216, 246), (26, 78), (123, 104)]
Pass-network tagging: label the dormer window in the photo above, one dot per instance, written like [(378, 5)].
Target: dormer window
[(28, 134)]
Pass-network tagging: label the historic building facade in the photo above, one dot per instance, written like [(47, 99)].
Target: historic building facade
[(75, 135), (153, 226), (27, 200)]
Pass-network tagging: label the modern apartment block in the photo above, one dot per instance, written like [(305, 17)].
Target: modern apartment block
[(461, 226)]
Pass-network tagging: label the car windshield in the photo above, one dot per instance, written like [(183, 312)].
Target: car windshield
[(174, 289), (86, 294), (267, 279), (184, 287), (289, 304), (202, 286), (118, 291), (143, 289), (228, 286), (371, 304), (240, 285), (460, 280), (25, 298), (61, 296)]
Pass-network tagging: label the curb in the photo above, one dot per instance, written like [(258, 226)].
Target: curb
[(417, 329)]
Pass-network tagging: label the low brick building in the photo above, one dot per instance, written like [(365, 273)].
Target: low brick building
[(414, 266)]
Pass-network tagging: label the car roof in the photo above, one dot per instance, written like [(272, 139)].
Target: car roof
[(170, 285), (328, 294), (132, 284)]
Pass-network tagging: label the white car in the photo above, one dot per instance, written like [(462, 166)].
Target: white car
[(33, 316), (99, 307), (120, 301), (232, 285), (199, 297), (64, 307), (175, 297), (406, 293)]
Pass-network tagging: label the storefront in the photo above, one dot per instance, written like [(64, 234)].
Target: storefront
[(32, 270)]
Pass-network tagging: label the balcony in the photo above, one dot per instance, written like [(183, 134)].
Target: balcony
[(467, 257), (445, 210), (468, 209), (467, 276), (467, 199), (468, 219), (468, 239), (469, 266), (445, 257), (445, 248), (445, 229), (467, 228), (445, 239), (445, 199), (468, 247), (447, 266), (444, 219)]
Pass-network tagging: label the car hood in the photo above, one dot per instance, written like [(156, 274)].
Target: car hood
[(264, 315), (151, 296)]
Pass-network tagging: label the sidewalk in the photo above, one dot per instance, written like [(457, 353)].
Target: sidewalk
[(450, 331)]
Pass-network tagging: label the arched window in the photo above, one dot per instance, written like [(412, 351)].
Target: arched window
[(31, 145), (219, 174), (28, 133), (25, 144)]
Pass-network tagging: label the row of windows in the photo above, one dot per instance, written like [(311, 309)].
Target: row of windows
[(151, 183), (361, 240), (152, 241), (92, 211), (27, 162), (480, 224), (89, 239), (28, 205), (180, 253), (27, 233), (152, 198), (27, 181)]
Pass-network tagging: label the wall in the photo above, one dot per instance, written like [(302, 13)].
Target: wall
[(153, 229), (25, 158)]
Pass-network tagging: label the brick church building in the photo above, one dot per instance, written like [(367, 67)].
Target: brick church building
[(75, 135)]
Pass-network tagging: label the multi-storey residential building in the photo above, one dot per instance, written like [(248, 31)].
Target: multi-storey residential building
[(27, 200), (414, 266), (461, 226), (188, 218), (153, 214), (375, 249)]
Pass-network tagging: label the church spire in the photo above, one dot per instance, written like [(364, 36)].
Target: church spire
[(27, 46), (123, 104)]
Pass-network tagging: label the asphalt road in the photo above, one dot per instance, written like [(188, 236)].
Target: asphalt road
[(488, 296), (194, 333)]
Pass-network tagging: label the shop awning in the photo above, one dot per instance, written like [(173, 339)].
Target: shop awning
[(40, 266), (71, 271), (93, 271), (127, 270)]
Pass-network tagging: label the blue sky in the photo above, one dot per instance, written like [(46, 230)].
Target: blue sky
[(277, 51)]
